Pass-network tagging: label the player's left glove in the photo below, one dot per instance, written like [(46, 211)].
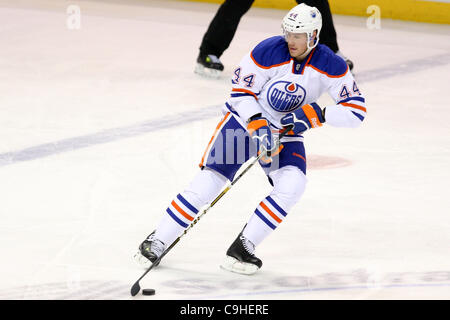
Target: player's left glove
[(307, 117)]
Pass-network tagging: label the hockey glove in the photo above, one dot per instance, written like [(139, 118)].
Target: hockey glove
[(307, 117), (259, 130)]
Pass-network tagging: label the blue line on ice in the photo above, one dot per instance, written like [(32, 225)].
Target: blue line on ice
[(115, 134)]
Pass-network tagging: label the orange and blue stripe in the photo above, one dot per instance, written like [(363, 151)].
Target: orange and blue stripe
[(270, 212), (357, 106), (182, 211), (239, 92)]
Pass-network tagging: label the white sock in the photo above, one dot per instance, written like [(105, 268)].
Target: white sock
[(266, 218), (256, 230), (289, 185)]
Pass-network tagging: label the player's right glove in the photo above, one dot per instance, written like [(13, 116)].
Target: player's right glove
[(259, 130), (307, 117)]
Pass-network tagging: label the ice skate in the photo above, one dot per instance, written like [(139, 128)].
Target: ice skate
[(149, 251), (209, 66), (240, 257)]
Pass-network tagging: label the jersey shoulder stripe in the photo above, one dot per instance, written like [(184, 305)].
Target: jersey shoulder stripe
[(272, 52), (327, 62)]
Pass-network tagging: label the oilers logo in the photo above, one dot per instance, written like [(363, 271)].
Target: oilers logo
[(285, 96)]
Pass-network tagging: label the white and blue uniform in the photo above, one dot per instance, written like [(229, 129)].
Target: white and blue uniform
[(267, 81)]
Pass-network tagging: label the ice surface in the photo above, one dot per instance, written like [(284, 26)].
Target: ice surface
[(101, 127)]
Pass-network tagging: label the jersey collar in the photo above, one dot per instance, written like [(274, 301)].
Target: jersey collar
[(299, 67)]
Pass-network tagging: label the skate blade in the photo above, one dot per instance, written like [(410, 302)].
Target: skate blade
[(141, 260), (207, 72), (234, 265)]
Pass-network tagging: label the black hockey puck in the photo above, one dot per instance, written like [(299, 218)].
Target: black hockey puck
[(148, 292)]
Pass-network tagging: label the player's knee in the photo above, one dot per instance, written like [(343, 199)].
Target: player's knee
[(289, 185), (205, 186)]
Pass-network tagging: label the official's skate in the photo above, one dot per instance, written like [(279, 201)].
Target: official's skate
[(209, 66)]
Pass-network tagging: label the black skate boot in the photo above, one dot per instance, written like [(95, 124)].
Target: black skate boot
[(240, 257), (149, 251), (208, 65)]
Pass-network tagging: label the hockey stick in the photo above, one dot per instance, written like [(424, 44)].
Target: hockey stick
[(136, 287)]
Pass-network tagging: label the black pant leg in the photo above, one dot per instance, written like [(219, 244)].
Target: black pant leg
[(328, 35), (222, 28)]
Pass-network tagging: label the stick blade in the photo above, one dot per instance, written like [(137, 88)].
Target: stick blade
[(135, 289)]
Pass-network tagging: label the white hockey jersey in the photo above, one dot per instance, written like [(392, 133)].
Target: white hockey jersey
[(269, 81)]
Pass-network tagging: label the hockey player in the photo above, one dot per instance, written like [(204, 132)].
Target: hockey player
[(274, 87)]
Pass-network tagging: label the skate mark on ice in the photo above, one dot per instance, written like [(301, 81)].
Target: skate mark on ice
[(360, 279), (83, 290), (327, 289)]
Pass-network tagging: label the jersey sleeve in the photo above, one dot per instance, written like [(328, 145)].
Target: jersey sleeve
[(350, 108), (247, 82)]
